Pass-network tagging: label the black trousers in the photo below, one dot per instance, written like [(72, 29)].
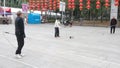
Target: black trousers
[(112, 30), (20, 40), (56, 32)]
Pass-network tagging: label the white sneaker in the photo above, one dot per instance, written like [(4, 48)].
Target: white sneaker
[(22, 55), (18, 56)]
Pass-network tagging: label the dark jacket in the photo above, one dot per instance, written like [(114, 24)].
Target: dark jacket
[(19, 27), (113, 22)]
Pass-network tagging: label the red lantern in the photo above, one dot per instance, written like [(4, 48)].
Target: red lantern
[(88, 7), (38, 8), (54, 2), (97, 6), (80, 0), (43, 9), (69, 3), (81, 8), (98, 2), (107, 4), (81, 4), (54, 5), (50, 2), (69, 0), (69, 6), (73, 5), (88, 3), (46, 6), (72, 0), (54, 8), (50, 8), (107, 1)]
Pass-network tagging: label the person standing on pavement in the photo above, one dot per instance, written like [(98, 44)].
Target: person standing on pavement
[(20, 33), (57, 26), (113, 25)]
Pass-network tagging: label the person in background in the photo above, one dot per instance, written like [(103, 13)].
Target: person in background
[(20, 33), (113, 25), (57, 26)]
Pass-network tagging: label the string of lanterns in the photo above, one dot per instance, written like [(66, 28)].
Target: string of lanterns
[(38, 5), (50, 4), (71, 4), (107, 3), (98, 4), (81, 4), (54, 4), (88, 4), (43, 5)]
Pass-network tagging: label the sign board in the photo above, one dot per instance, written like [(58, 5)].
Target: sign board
[(25, 7), (62, 6), (114, 10)]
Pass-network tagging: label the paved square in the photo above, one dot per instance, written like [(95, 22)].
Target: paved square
[(90, 47)]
